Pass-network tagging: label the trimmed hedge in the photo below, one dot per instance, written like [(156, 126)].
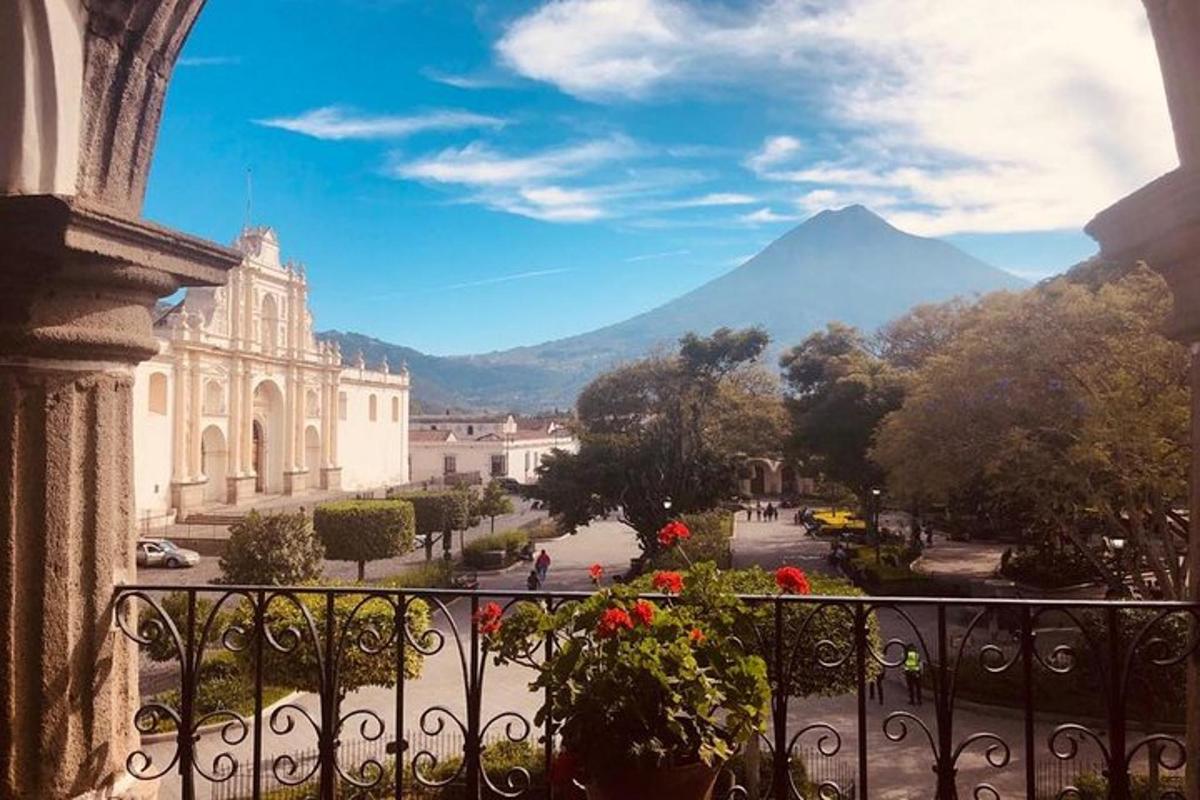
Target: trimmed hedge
[(365, 530), (439, 512), (510, 542)]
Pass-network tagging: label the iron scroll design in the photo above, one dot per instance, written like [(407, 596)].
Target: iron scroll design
[(362, 723)]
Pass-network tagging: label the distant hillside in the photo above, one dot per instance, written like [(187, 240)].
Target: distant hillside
[(847, 265)]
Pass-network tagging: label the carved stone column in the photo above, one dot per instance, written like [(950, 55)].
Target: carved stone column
[(76, 287)]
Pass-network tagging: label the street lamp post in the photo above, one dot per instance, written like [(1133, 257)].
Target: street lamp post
[(875, 501), (1117, 545)]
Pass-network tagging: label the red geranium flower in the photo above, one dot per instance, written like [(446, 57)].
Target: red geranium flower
[(596, 571), (697, 636), (644, 612), (668, 582), (487, 619), (612, 621), (563, 769), (792, 580), (672, 532)]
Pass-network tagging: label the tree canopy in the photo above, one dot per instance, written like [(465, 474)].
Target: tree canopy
[(1063, 408), (669, 427), (838, 389)]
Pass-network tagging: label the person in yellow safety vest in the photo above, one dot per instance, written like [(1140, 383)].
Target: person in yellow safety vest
[(912, 674)]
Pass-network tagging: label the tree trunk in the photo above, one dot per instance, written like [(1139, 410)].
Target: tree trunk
[(493, 523), (362, 571)]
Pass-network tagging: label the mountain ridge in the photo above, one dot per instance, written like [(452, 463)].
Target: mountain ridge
[(847, 264)]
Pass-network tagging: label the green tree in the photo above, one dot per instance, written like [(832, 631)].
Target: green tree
[(365, 530), (494, 503), (1064, 407), (665, 428), (273, 550), (838, 391)]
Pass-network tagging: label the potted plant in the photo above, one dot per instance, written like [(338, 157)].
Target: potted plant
[(650, 696)]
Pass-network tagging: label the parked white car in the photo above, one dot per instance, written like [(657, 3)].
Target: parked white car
[(164, 553)]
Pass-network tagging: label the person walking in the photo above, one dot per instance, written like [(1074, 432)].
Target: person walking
[(542, 566), (912, 674), (533, 582), (749, 513), (770, 512), (758, 509)]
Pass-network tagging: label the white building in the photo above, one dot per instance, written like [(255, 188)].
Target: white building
[(447, 448), (241, 400)]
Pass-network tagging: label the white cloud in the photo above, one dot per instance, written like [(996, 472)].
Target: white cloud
[(477, 164), (775, 150), (656, 256), (530, 185), (335, 123), (208, 61), (517, 276), (713, 199), (469, 82), (970, 115), (765, 216)]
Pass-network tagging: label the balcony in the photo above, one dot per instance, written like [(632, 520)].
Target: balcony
[(398, 697)]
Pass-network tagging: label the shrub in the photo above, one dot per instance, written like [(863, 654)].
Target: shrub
[(273, 550), (510, 542), (161, 645), (1048, 568), (495, 502), (364, 626), (710, 541), (540, 529), (427, 575), (365, 530)]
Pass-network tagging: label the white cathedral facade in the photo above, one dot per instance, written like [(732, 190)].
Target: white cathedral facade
[(241, 400)]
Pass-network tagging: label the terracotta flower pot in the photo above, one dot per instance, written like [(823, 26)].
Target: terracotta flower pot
[(692, 782)]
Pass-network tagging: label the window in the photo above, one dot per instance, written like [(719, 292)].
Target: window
[(470, 430), (312, 404), (341, 405), (158, 393), (499, 467), (372, 408), (527, 461), (395, 409), (449, 465)]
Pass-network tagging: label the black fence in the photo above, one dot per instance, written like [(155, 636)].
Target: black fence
[(1014, 698)]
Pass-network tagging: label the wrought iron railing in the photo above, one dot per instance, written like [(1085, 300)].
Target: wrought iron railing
[(1008, 686)]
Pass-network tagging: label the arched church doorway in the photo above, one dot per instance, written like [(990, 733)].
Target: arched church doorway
[(312, 451), (258, 457), (758, 480), (268, 437), (213, 460)]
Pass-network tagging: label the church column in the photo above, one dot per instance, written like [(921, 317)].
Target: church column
[(331, 474), (195, 409), (187, 491), (293, 477), (76, 288), (247, 435)]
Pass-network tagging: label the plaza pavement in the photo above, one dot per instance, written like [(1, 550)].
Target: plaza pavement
[(897, 770)]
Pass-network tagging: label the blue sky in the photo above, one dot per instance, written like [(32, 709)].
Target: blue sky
[(467, 176)]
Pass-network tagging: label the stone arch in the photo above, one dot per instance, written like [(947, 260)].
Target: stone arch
[(157, 388), (312, 449), (270, 430), (214, 460)]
